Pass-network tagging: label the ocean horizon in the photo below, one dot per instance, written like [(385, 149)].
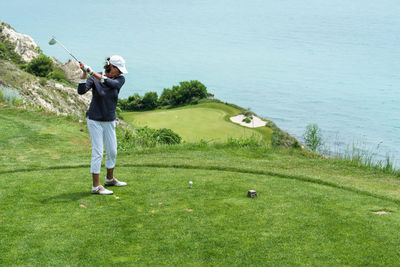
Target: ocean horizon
[(335, 63)]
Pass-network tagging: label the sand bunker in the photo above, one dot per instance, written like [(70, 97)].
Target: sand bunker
[(255, 122)]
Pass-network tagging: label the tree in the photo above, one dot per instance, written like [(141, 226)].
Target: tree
[(135, 103), (150, 101), (194, 89), (188, 92), (166, 97)]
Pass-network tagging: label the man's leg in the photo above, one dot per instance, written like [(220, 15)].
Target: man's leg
[(96, 137), (110, 173), (110, 143), (96, 179)]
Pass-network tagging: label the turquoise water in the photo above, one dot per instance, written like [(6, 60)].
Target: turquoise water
[(335, 63)]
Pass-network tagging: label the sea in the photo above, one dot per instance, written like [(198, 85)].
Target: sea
[(332, 63)]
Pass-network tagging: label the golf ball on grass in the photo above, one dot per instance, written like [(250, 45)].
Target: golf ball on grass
[(190, 183)]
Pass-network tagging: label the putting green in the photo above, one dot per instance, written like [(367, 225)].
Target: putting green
[(209, 122)]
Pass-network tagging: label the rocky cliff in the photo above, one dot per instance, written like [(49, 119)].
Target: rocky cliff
[(38, 92), (25, 46)]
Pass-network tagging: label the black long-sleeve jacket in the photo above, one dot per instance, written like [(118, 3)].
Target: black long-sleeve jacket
[(104, 97)]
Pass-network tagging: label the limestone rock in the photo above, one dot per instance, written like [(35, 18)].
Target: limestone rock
[(71, 69), (24, 44)]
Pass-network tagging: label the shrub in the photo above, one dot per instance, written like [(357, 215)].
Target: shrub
[(42, 81), (281, 138), (167, 136), (11, 96), (57, 74), (7, 51), (313, 137), (122, 104), (251, 141), (135, 102), (150, 101), (146, 137), (166, 97), (247, 119), (40, 66), (125, 139), (186, 92), (247, 113), (118, 113)]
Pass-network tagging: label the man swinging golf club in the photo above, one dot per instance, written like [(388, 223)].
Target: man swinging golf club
[(101, 117)]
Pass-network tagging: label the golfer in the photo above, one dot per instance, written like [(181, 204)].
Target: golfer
[(101, 117)]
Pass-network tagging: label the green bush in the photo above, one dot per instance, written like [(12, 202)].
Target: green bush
[(57, 74), (188, 92), (166, 97), (313, 137), (146, 137), (122, 104), (7, 51), (42, 81), (247, 113), (150, 101), (251, 141), (167, 136), (247, 120), (135, 103), (11, 96), (118, 113), (281, 138), (40, 66)]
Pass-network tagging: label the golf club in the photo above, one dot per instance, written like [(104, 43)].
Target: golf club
[(53, 40)]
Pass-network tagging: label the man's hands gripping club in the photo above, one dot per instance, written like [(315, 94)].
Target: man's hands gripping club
[(87, 69)]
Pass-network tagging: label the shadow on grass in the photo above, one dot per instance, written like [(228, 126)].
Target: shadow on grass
[(67, 197)]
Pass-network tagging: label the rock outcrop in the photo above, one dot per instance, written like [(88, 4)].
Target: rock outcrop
[(27, 48), (71, 69), (48, 95), (24, 44)]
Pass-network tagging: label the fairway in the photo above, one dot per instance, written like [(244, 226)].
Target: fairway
[(208, 122), (309, 210)]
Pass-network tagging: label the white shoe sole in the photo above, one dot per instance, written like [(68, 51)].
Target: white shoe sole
[(118, 185)]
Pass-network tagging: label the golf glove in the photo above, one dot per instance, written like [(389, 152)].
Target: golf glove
[(88, 69)]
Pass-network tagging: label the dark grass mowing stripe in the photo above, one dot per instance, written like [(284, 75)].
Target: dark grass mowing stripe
[(226, 169)]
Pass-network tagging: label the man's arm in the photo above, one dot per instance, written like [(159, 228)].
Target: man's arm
[(84, 85), (111, 84), (115, 83)]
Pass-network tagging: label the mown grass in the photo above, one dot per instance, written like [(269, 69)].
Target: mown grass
[(310, 210), (207, 121)]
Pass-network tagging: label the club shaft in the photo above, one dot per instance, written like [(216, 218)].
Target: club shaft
[(66, 50)]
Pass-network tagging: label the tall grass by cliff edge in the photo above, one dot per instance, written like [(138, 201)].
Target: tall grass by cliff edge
[(357, 153)]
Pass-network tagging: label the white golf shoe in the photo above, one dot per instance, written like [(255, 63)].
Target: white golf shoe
[(100, 190), (114, 182)]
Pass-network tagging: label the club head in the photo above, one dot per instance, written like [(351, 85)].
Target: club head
[(52, 41)]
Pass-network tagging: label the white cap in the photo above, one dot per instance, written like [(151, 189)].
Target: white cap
[(118, 62)]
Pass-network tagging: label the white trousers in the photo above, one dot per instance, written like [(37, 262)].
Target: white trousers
[(102, 132)]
